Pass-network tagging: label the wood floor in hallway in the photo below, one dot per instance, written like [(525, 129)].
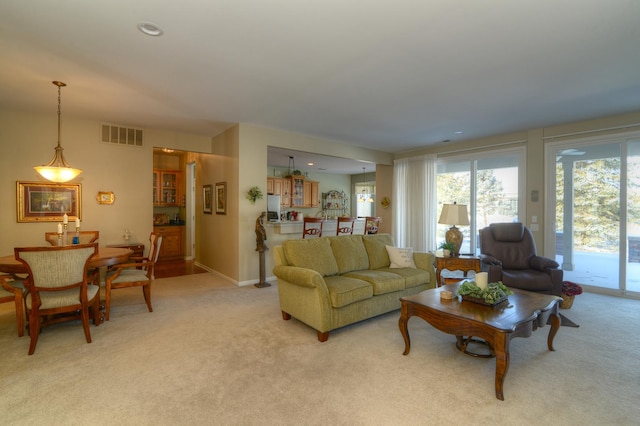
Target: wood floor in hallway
[(176, 268)]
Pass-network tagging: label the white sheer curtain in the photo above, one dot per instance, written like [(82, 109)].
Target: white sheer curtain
[(414, 208)]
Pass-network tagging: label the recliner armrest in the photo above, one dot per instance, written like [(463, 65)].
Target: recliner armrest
[(541, 263), (489, 260)]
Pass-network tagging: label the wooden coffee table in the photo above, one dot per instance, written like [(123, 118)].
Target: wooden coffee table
[(524, 312)]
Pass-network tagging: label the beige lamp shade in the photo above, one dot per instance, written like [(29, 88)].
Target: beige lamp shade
[(454, 214)]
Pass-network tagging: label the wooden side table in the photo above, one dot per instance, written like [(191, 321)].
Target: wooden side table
[(456, 263)]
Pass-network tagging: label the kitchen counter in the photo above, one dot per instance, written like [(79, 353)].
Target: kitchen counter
[(329, 227)]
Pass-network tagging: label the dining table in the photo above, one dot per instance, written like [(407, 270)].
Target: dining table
[(106, 256)]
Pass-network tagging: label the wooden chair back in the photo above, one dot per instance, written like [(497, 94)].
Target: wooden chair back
[(372, 224), (312, 227), (86, 237), (138, 273), (345, 225)]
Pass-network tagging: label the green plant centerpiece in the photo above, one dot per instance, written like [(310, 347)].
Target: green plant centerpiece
[(254, 194), (447, 246), (494, 293)]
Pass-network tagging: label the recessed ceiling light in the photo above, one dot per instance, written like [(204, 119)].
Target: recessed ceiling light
[(458, 132), (150, 29), (310, 163)]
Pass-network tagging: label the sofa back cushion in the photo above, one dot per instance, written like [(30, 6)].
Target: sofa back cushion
[(349, 252), (376, 249), (314, 253)]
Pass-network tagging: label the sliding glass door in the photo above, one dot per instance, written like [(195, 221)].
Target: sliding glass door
[(594, 205), (488, 183)]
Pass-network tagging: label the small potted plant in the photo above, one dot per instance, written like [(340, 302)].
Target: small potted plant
[(254, 194), (569, 292), (447, 249)]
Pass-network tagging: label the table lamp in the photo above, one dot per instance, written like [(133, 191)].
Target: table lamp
[(454, 214)]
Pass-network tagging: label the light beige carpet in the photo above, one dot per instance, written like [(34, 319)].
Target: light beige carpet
[(211, 353)]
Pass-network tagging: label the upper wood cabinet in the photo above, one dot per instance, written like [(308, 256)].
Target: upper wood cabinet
[(167, 188), (281, 187), (294, 192), (311, 194)]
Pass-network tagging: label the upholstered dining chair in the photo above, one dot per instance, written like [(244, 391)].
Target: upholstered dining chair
[(86, 237), (372, 224), (312, 227), (345, 225), (58, 288), (134, 274), (12, 290)]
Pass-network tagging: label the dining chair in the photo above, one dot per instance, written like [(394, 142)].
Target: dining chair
[(345, 225), (134, 274), (58, 287), (86, 237), (312, 227), (12, 290), (372, 224)]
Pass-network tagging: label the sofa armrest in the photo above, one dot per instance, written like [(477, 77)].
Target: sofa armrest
[(541, 263), (299, 276), (425, 261)]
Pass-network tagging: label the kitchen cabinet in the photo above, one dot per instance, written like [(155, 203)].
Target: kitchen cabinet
[(172, 246), (167, 188), (281, 187), (311, 194), (294, 191)]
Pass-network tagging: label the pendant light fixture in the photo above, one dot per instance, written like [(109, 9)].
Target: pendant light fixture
[(57, 170), (364, 196)]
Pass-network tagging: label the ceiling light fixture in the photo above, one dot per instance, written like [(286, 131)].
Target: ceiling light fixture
[(150, 29), (57, 170)]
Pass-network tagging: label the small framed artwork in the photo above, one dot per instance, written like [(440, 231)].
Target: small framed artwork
[(207, 199), (106, 197), (221, 198), (48, 202)]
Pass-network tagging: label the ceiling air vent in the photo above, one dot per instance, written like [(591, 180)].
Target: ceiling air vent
[(112, 133)]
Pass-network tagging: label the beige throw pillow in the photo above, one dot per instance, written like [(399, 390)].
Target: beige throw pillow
[(400, 257)]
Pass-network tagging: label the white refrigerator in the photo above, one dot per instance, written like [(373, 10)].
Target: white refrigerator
[(273, 207)]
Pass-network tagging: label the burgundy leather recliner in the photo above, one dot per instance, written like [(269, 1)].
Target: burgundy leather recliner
[(508, 254)]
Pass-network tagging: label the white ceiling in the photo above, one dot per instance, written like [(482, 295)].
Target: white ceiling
[(389, 75)]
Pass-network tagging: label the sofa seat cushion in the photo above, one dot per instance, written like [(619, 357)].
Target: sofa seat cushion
[(344, 291), (313, 253), (349, 253), (382, 282), (413, 277)]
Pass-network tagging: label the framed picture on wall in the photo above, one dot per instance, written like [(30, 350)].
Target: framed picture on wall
[(207, 199), (48, 202), (221, 198)]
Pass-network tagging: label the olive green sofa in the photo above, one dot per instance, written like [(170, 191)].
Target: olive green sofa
[(331, 282)]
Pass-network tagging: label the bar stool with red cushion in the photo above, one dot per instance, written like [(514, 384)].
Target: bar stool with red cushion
[(372, 224), (345, 225), (312, 227)]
